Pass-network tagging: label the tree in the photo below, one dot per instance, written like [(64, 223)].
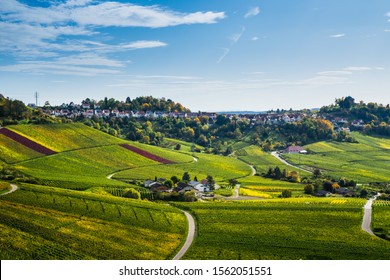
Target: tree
[(132, 193), (175, 179), (277, 173), (308, 189), (316, 173), (186, 177), (189, 196), (168, 184), (363, 193), (286, 193), (233, 182), (229, 150), (210, 182)]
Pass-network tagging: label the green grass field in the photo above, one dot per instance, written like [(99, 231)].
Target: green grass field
[(366, 161), (304, 228), (48, 223)]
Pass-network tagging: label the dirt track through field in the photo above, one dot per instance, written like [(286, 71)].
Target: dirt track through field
[(26, 142)]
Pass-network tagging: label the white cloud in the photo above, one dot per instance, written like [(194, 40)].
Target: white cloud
[(357, 68), (334, 73), (70, 28), (252, 12), (143, 45), (341, 35), (84, 12), (255, 38), (42, 67)]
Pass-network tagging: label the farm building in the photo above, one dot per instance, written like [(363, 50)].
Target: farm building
[(199, 186), (295, 150)]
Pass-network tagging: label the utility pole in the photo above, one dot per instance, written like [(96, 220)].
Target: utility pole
[(36, 98)]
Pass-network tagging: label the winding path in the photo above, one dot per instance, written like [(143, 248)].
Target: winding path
[(13, 189), (275, 154), (190, 236), (366, 224)]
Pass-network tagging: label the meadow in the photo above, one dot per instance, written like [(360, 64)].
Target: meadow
[(38, 222), (298, 228), (366, 161)]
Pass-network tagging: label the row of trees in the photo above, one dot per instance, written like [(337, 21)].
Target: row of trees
[(142, 103)]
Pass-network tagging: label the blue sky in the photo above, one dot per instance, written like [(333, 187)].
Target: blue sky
[(207, 54)]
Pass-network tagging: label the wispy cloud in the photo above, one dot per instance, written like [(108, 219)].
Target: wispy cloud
[(234, 38), (341, 35), (225, 53), (70, 29), (334, 73), (357, 68), (237, 36), (252, 12), (84, 12)]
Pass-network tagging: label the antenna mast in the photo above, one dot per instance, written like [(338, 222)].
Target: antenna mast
[(36, 98)]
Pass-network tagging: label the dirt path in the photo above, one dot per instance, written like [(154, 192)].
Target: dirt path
[(190, 236), (366, 224), (13, 189), (275, 154), (237, 191)]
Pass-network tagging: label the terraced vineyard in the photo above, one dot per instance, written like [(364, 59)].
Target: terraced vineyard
[(221, 168), (65, 137), (261, 160), (47, 223), (89, 222), (307, 228), (11, 151), (381, 219), (366, 161)]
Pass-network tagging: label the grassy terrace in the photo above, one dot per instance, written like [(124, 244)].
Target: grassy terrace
[(305, 228), (48, 223), (366, 161)]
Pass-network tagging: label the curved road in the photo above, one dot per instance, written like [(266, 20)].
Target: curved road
[(190, 236), (275, 154), (366, 224), (13, 188)]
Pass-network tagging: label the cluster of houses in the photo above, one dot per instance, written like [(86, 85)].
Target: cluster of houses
[(340, 191), (73, 110), (182, 187)]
